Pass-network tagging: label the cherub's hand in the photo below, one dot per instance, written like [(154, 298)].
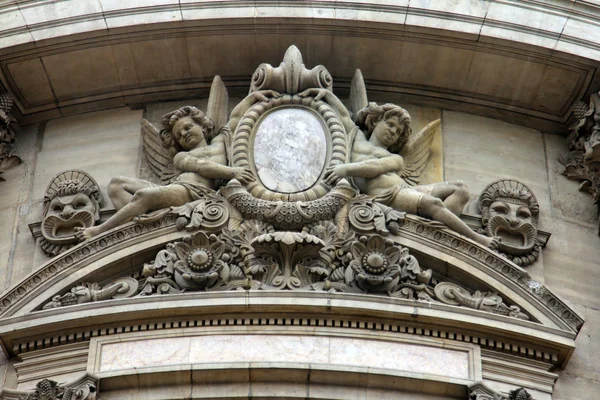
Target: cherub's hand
[(263, 95), (317, 93), (243, 175), (334, 174)]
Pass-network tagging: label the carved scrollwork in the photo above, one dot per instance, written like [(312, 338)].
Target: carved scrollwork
[(320, 257), (91, 292), (366, 215), (291, 76)]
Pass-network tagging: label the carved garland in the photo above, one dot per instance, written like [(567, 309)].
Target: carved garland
[(243, 141)]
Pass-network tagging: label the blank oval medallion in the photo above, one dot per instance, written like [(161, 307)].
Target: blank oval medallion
[(289, 150)]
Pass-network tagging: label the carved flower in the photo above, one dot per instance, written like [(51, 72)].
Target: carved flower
[(199, 261), (375, 264)]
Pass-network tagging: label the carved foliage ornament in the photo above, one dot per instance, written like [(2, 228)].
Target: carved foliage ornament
[(583, 162), (324, 255), (72, 200), (7, 135), (509, 212), (46, 389)]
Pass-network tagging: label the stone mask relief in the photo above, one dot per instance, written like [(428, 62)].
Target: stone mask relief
[(72, 200), (289, 150), (509, 212)]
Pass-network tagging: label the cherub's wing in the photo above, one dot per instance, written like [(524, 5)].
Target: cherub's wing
[(218, 103), (358, 94), (159, 158), (416, 152)]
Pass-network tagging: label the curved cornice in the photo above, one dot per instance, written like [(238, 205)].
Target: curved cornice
[(524, 61)]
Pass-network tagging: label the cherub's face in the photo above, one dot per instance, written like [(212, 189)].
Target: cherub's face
[(188, 133), (388, 131)]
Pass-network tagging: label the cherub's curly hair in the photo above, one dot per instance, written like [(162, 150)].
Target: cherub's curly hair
[(373, 114), (169, 120)]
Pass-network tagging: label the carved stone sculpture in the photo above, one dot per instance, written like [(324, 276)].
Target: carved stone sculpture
[(72, 200), (190, 155), (46, 389), (509, 212), (583, 162), (91, 292), (377, 170), (479, 391), (7, 135)]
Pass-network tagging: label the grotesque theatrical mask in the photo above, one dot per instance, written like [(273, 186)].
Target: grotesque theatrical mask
[(509, 212), (72, 200)]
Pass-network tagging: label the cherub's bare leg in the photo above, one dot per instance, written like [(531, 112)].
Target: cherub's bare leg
[(454, 194), (433, 208), (121, 190), (143, 201)]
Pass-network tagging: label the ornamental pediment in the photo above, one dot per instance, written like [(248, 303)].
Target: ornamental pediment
[(293, 204)]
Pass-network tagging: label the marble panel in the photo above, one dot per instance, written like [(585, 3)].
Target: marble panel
[(404, 357), (254, 348), (289, 349), (289, 150), (145, 353)]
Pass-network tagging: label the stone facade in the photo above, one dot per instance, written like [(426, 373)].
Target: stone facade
[(454, 321)]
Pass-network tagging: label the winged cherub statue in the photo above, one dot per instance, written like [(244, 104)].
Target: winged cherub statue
[(193, 155), (386, 160)]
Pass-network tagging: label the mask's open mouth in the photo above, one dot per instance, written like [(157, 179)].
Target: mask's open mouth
[(59, 231), (516, 241)]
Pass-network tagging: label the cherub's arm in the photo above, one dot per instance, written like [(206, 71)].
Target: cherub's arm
[(367, 169), (238, 112), (187, 162), (334, 102)]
